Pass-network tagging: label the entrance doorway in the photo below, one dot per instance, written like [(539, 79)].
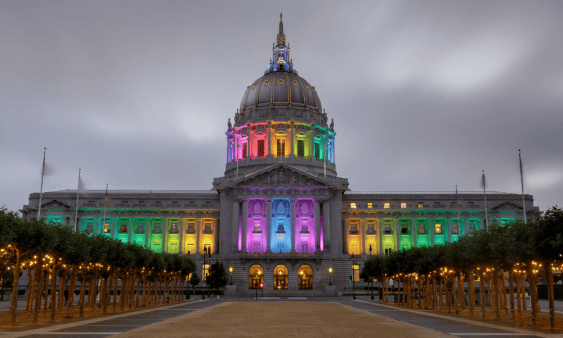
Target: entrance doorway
[(280, 277), (305, 277), (255, 277)]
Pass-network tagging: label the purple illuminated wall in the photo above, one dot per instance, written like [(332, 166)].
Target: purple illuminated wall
[(256, 241), (239, 230), (322, 230), (304, 225)]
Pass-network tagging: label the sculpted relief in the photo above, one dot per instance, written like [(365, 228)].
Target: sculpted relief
[(281, 177)]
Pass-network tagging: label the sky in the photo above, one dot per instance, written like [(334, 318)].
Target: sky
[(424, 94)]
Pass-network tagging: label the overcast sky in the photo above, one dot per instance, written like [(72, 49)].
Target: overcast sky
[(424, 94)]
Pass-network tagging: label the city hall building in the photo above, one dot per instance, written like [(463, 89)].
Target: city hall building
[(281, 215)]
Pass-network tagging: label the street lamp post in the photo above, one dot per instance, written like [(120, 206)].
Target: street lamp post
[(370, 251), (206, 252), (231, 272), (353, 278), (330, 271)]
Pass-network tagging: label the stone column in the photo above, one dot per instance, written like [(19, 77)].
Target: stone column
[(244, 221), (363, 230), (234, 226), (216, 236), (197, 249), (292, 140), (270, 145), (130, 230), (345, 226), (398, 233), (381, 228), (432, 231), (317, 226), (147, 230), (268, 224), (326, 225), (413, 231), (292, 217), (182, 232), (312, 143)]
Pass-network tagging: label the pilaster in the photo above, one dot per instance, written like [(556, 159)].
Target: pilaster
[(234, 226), (244, 221), (317, 226), (293, 235), (268, 226), (326, 225)]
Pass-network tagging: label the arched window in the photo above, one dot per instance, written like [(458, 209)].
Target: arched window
[(280, 277), (255, 277), (305, 274)]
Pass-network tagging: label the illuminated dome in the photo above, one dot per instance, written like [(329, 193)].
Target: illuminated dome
[(280, 94)]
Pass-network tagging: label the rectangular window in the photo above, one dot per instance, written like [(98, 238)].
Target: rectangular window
[(317, 151), (107, 228), (405, 230), (244, 150), (388, 251), (281, 147), (370, 205), (403, 205), (205, 268), (123, 229), (455, 229), (386, 205), (420, 205), (356, 269), (301, 148), (438, 228), (471, 228), (260, 148), (353, 205)]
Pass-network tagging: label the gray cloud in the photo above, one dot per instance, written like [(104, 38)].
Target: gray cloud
[(424, 94)]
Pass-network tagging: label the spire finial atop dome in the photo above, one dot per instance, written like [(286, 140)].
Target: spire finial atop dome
[(280, 52)]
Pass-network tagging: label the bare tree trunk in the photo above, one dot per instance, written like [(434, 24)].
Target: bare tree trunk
[(519, 293), (145, 291), (94, 291), (46, 290), (434, 293), (461, 291), (38, 295), (456, 303), (30, 290), (549, 275), (72, 286), (115, 280), (491, 295), (15, 283), (81, 298), (103, 295), (471, 287), (504, 295), (440, 298), (533, 294), (123, 292), (524, 305), (53, 292), (511, 293), (62, 286), (448, 298), (482, 293), (31, 293), (496, 291)]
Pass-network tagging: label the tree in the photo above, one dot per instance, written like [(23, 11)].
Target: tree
[(217, 276), (194, 280)]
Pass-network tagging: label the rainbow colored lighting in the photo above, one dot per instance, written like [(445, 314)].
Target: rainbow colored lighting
[(280, 226), (305, 226), (256, 240)]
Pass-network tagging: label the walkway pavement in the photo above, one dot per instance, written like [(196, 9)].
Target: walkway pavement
[(282, 317)]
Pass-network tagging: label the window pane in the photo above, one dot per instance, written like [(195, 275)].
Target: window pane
[(300, 148), (260, 148)]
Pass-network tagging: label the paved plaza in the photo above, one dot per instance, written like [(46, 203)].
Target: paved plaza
[(276, 317)]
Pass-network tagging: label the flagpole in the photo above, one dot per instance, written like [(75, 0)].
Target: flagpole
[(77, 194), (486, 214), (41, 191), (457, 210), (105, 208), (522, 182)]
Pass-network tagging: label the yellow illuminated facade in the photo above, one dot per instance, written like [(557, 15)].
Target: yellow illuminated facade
[(372, 236), (355, 237)]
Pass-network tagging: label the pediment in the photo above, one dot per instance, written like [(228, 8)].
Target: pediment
[(507, 206), (281, 175), (54, 204)]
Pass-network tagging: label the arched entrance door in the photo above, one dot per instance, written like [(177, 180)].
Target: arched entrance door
[(280, 277), (255, 277), (305, 277)]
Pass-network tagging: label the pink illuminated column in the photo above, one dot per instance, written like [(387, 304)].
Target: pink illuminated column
[(317, 226), (234, 226), (244, 221)]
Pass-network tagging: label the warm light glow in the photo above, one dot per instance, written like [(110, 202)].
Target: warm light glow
[(386, 205), (231, 269), (330, 270), (370, 205), (403, 205), (353, 205)]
